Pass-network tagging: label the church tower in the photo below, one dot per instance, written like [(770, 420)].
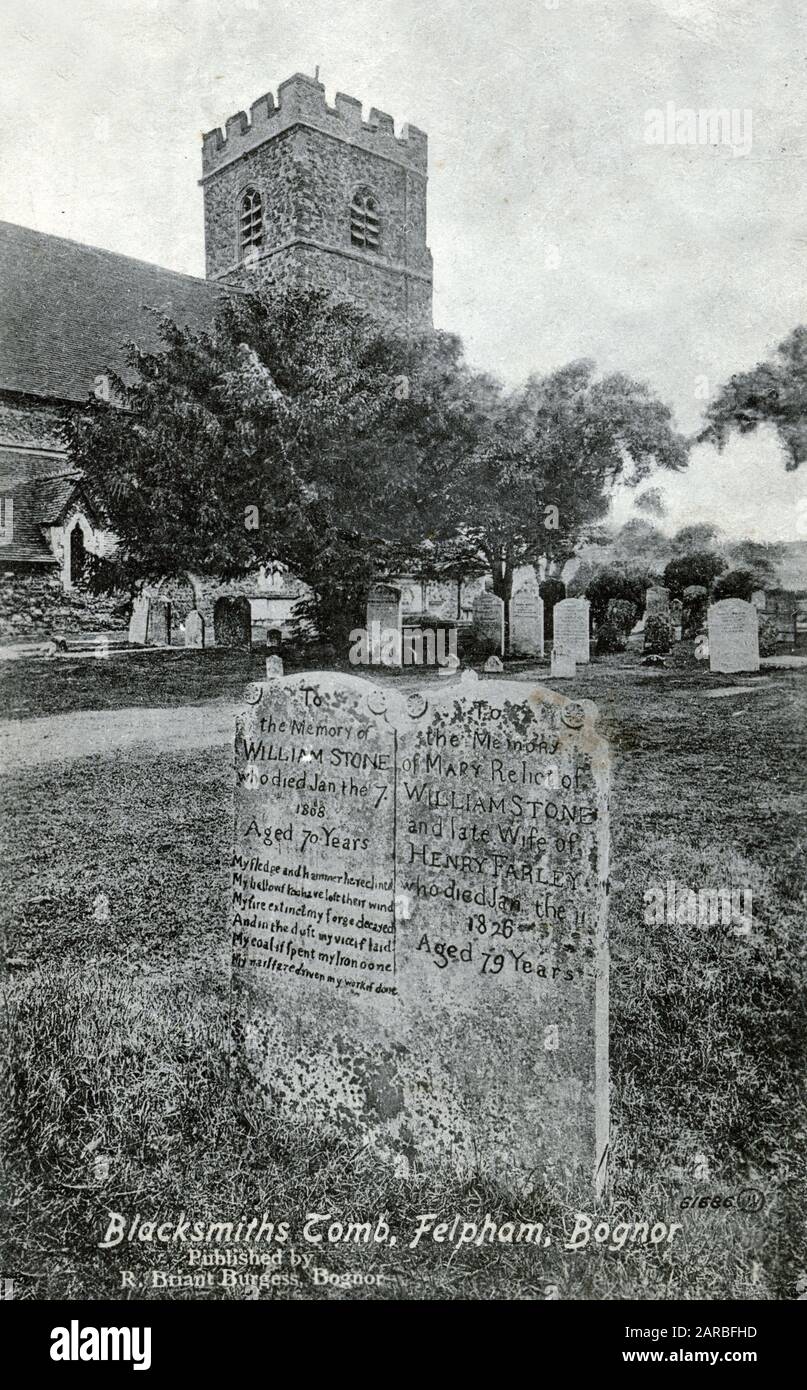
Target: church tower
[(306, 191)]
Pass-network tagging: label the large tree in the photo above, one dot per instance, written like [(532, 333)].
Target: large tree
[(537, 474), (286, 434), (773, 393), (298, 431)]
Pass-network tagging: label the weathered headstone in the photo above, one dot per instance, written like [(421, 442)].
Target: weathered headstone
[(494, 664), (384, 625), (759, 600), (677, 618), (139, 621), (159, 623), (571, 628), (488, 619), (733, 636), (194, 629), (274, 666), (232, 623), (656, 600), (419, 951), (562, 664), (527, 620)]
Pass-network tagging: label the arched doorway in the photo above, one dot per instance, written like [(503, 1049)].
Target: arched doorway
[(78, 555)]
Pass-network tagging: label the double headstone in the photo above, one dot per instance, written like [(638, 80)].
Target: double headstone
[(733, 636), (384, 630), (418, 914), (527, 620), (488, 620), (571, 628), (150, 623), (232, 623)]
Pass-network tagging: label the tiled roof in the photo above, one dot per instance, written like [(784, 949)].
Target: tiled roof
[(67, 311), (53, 496), (38, 503)]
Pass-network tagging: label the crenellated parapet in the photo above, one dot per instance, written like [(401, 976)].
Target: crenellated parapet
[(301, 101)]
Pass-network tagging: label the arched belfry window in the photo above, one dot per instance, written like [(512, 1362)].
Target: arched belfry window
[(250, 224), (365, 226)]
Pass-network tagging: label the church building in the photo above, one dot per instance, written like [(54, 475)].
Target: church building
[(299, 190)]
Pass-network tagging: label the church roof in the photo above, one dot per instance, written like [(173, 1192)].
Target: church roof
[(67, 311), (38, 503)]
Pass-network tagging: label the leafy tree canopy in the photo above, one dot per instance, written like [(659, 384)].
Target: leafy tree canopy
[(774, 393), (299, 431)]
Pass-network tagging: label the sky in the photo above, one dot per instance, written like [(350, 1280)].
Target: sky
[(558, 229)]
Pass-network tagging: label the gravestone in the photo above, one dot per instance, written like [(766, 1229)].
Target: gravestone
[(139, 621), (274, 666), (677, 618), (571, 628), (494, 663), (527, 620), (159, 623), (733, 636), (384, 625), (488, 619), (194, 629), (562, 664), (759, 600), (656, 600), (232, 623), (418, 915)]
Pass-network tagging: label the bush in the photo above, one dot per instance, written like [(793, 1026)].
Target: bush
[(658, 634), (768, 637), (735, 584), (621, 614), (700, 568), (693, 614), (616, 582), (610, 638)]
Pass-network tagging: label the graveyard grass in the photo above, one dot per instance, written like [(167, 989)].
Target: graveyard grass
[(115, 1032)]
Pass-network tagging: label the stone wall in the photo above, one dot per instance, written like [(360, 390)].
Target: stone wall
[(308, 167), (33, 604)]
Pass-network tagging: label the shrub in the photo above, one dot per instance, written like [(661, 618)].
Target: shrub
[(616, 582), (610, 638), (621, 614), (734, 584), (768, 637), (658, 634), (700, 568), (693, 614)]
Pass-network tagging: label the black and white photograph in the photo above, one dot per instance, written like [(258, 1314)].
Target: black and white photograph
[(403, 659)]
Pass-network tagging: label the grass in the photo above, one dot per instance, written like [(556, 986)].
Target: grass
[(115, 1031)]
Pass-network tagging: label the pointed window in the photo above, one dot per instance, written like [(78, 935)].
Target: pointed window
[(250, 224), (365, 228)]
